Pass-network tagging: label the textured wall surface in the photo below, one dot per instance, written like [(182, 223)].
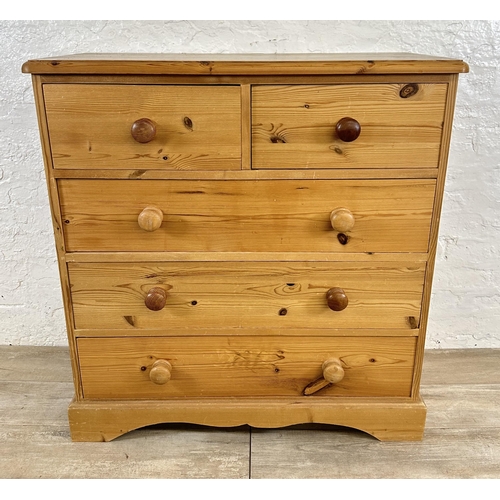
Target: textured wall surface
[(465, 311)]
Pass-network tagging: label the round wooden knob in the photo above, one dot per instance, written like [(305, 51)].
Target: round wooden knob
[(342, 220), (333, 371), (143, 130), (348, 129), (156, 299), (161, 371), (336, 299), (150, 219)]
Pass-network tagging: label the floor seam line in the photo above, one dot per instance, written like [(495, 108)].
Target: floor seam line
[(250, 454)]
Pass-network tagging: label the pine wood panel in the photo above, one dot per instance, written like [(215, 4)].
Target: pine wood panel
[(118, 368), (272, 216), (89, 126), (250, 295), (436, 216), (245, 64), (295, 79), (294, 126), (242, 175), (241, 257), (106, 420), (57, 225)]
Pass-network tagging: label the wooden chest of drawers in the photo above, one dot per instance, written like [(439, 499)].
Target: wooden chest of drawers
[(246, 239)]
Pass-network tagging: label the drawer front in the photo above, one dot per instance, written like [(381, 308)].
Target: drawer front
[(296, 126), (184, 295), (190, 128), (249, 216), (121, 368)]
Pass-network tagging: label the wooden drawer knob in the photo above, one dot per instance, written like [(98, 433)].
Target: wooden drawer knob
[(336, 299), (156, 299), (348, 129), (143, 130), (150, 219), (342, 220), (161, 372), (332, 370), (332, 374)]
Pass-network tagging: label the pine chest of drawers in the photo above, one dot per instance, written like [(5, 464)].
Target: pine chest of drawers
[(246, 239)]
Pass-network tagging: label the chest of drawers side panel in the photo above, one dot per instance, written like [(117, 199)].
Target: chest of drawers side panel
[(57, 225), (434, 234)]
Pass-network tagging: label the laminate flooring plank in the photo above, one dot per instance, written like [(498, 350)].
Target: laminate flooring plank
[(461, 366), (166, 452), (27, 403), (349, 454), (35, 363), (35, 440), (462, 406), (462, 438)]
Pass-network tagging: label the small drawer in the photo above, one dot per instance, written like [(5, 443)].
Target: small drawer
[(347, 126), (144, 126), (231, 296), (168, 368), (247, 216)]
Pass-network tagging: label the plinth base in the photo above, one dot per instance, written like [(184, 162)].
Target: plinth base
[(386, 420)]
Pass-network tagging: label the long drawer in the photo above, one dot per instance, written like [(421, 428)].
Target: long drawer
[(144, 126), (163, 368), (175, 296), (251, 216), (347, 126)]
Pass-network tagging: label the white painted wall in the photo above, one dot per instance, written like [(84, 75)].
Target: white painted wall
[(465, 311)]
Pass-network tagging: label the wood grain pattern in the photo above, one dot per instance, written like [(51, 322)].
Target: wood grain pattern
[(253, 295), (241, 257), (245, 64), (242, 175), (57, 225), (294, 126), (197, 127), (118, 368), (228, 283), (243, 80), (272, 216), (106, 420), (436, 216)]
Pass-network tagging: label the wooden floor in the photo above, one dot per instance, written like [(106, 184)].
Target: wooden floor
[(462, 439)]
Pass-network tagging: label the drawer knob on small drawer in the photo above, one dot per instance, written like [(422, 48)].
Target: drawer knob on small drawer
[(348, 129), (161, 371), (143, 130), (156, 299), (336, 299), (150, 219), (342, 220), (332, 370)]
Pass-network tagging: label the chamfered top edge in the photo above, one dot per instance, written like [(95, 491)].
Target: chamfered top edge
[(244, 64)]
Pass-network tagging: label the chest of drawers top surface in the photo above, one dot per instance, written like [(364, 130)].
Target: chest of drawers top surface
[(246, 238), (241, 64)]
